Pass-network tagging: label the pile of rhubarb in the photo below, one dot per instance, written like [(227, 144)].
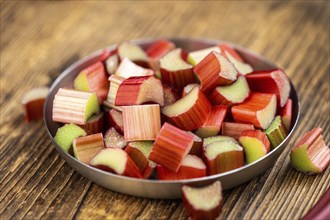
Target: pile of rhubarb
[(164, 113)]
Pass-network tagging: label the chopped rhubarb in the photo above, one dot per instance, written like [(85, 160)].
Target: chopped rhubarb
[(159, 49), (212, 125), (255, 144), (230, 95), (197, 56), (222, 156), (33, 103), (189, 112), (191, 167), (234, 130), (116, 160), (169, 95), (113, 139), (189, 87), (66, 134), (276, 132), (70, 106), (203, 203), (215, 70), (94, 124), (286, 114), (112, 64), (259, 109), (310, 154), (128, 69), (218, 138), (141, 122), (85, 148), (197, 148), (171, 146), (115, 82), (175, 71), (271, 81), (138, 90), (132, 52), (115, 119)]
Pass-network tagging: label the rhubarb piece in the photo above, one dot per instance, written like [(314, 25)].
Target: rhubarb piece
[(85, 148), (128, 69), (113, 139), (191, 167), (175, 71), (271, 81), (171, 146), (188, 88), (139, 151), (212, 125), (169, 95), (276, 132), (138, 90), (286, 114), (236, 59), (159, 49), (255, 144), (310, 154), (141, 122), (215, 70), (222, 156), (66, 134), (112, 63), (115, 119), (234, 130), (132, 52), (218, 138), (197, 148), (94, 124), (93, 79), (197, 56), (259, 109), (115, 82), (70, 106), (203, 203), (321, 209), (230, 95), (117, 161), (33, 103), (189, 112)]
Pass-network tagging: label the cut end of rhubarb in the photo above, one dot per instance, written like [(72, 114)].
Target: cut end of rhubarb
[(33, 103), (197, 56), (128, 69), (266, 115), (276, 132), (219, 138), (66, 134), (85, 148), (173, 61), (115, 119), (213, 149), (188, 88), (132, 52), (113, 139)]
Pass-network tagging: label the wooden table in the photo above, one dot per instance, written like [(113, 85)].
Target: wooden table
[(40, 39)]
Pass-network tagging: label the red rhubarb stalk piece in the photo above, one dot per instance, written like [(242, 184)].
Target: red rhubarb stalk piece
[(94, 124), (159, 49), (286, 114), (113, 139), (115, 119), (189, 112), (197, 148), (171, 146), (115, 82), (33, 103), (191, 167), (212, 125), (215, 70), (259, 109), (234, 130), (271, 81), (203, 203)]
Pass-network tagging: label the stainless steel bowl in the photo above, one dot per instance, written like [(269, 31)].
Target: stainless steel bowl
[(156, 188)]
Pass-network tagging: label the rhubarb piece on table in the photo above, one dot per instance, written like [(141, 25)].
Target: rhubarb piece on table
[(139, 151), (234, 130), (94, 124), (286, 114), (191, 167), (197, 148), (85, 148), (116, 160), (157, 50), (71, 106), (230, 95), (222, 156), (128, 69), (189, 87), (93, 79), (111, 64), (203, 203), (212, 125), (255, 144), (259, 109), (33, 103), (169, 95), (189, 112), (132, 52), (175, 71), (310, 154), (115, 119), (215, 70), (113, 139), (171, 146), (115, 82), (138, 90), (235, 58), (66, 134), (276, 132), (141, 122), (218, 138), (197, 56), (271, 81)]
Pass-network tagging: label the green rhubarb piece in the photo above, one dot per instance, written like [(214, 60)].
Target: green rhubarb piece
[(276, 132), (92, 106), (209, 140), (66, 134), (301, 161), (254, 148), (218, 147), (143, 146)]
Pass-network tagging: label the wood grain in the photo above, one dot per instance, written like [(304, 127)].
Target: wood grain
[(40, 39)]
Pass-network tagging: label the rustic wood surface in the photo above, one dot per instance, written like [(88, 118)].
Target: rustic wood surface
[(40, 39)]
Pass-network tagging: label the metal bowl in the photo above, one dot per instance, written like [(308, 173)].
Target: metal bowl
[(155, 188)]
